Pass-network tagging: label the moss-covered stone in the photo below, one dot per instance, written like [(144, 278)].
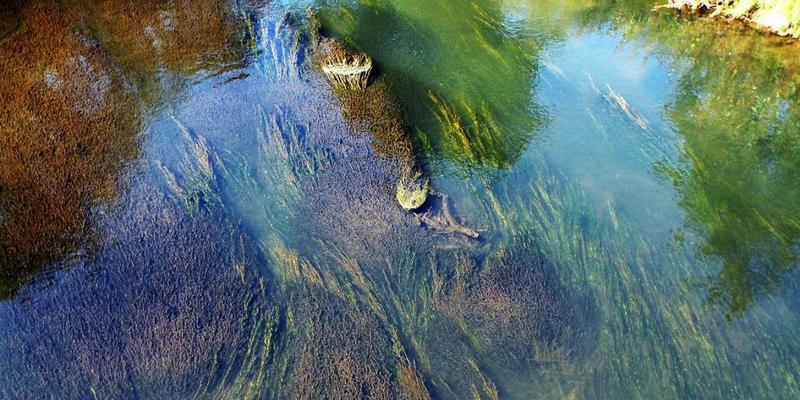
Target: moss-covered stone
[(412, 191)]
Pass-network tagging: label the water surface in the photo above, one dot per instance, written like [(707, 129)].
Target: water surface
[(189, 211)]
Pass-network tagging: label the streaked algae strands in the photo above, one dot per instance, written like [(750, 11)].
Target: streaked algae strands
[(188, 208)]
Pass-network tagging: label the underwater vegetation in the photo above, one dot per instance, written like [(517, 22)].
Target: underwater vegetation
[(163, 309), (499, 311), (452, 114), (339, 348), (69, 123), (366, 252), (8, 17), (76, 78), (158, 40), (372, 109), (736, 106), (516, 307), (394, 262), (240, 223)]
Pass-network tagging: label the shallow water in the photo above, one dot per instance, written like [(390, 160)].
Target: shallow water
[(188, 210)]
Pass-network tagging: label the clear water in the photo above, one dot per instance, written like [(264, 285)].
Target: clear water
[(634, 176)]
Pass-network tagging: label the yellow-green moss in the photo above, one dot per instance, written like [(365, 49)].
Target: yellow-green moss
[(412, 191)]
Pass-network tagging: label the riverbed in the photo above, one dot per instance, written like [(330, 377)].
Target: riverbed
[(188, 210)]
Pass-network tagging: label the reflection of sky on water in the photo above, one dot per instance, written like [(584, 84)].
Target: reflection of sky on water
[(608, 147)]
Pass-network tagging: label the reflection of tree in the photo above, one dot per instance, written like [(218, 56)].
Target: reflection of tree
[(739, 120), (462, 76), (69, 118), (736, 108)]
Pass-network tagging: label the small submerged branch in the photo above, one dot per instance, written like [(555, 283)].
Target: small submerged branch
[(441, 218)]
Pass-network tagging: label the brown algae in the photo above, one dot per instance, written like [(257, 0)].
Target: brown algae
[(68, 125)]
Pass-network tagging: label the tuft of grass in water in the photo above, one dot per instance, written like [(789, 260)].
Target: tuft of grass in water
[(778, 16), (345, 69)]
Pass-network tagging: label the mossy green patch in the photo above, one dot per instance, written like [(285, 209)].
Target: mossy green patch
[(412, 191)]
